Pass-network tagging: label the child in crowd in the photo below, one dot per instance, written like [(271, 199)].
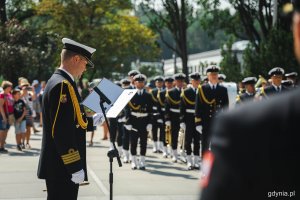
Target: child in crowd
[(20, 120)]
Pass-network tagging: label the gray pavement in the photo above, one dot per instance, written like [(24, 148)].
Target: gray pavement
[(163, 180)]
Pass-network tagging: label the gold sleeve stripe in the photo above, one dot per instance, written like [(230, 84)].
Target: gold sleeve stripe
[(197, 119), (238, 98), (76, 106), (70, 157), (187, 100), (153, 98), (134, 107), (159, 99), (213, 101), (60, 96), (172, 100)]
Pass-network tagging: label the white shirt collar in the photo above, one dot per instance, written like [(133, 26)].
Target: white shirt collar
[(67, 73), (211, 85), (277, 87)]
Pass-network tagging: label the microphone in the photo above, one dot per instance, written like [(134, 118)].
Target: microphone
[(102, 96)]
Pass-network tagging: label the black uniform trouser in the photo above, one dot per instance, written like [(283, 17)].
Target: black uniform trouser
[(116, 130), (62, 190), (191, 136), (155, 127), (175, 126), (140, 125), (205, 139), (126, 139)]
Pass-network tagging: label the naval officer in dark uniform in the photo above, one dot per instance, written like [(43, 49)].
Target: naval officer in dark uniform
[(63, 153), (187, 122), (211, 98), (138, 114), (249, 94), (172, 112), (255, 148), (157, 122), (276, 74)]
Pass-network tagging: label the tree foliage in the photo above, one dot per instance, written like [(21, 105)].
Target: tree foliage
[(270, 41), (33, 31), (175, 16)]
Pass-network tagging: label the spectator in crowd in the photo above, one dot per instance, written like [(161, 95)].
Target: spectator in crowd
[(40, 98), (20, 120), (28, 95), (6, 112), (35, 103)]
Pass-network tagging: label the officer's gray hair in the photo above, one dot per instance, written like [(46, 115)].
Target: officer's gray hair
[(67, 54)]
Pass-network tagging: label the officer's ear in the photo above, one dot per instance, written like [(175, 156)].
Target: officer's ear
[(296, 33)]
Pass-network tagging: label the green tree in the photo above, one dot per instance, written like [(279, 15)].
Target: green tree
[(106, 25), (269, 36), (176, 17)]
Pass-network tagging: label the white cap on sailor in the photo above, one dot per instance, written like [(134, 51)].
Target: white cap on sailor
[(79, 48)]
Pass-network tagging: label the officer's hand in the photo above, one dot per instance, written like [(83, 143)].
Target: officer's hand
[(160, 121), (128, 127), (123, 119), (199, 129), (98, 118), (78, 177), (183, 126), (168, 123), (149, 127)]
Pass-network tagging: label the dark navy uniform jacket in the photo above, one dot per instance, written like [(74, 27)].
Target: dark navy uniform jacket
[(244, 97), (209, 102), (255, 151), (141, 104), (270, 90), (172, 103), (187, 105), (63, 149)]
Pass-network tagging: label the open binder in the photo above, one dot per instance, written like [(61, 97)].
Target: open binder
[(118, 97)]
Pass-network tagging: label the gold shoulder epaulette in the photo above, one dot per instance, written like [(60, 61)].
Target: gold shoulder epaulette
[(186, 99), (202, 96), (172, 101)]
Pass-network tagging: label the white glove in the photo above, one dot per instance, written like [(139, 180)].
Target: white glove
[(78, 177), (128, 127), (160, 121), (98, 119), (149, 127), (199, 129), (183, 126), (123, 119), (168, 123)]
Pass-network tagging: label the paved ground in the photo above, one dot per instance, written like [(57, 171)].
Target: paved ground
[(163, 180)]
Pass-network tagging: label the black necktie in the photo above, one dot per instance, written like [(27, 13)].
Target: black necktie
[(278, 89)]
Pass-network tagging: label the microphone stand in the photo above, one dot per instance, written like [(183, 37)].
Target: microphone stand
[(113, 153)]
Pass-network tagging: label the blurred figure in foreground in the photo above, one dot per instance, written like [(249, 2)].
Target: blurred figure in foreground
[(255, 148)]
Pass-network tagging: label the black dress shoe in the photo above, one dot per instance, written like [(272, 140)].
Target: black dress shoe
[(133, 168), (143, 168)]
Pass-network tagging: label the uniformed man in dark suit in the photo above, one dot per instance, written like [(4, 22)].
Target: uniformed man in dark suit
[(116, 128), (63, 154), (187, 122), (161, 97), (249, 94), (126, 133), (211, 98), (138, 114), (157, 122), (221, 78), (292, 77), (276, 75), (172, 113), (255, 148)]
